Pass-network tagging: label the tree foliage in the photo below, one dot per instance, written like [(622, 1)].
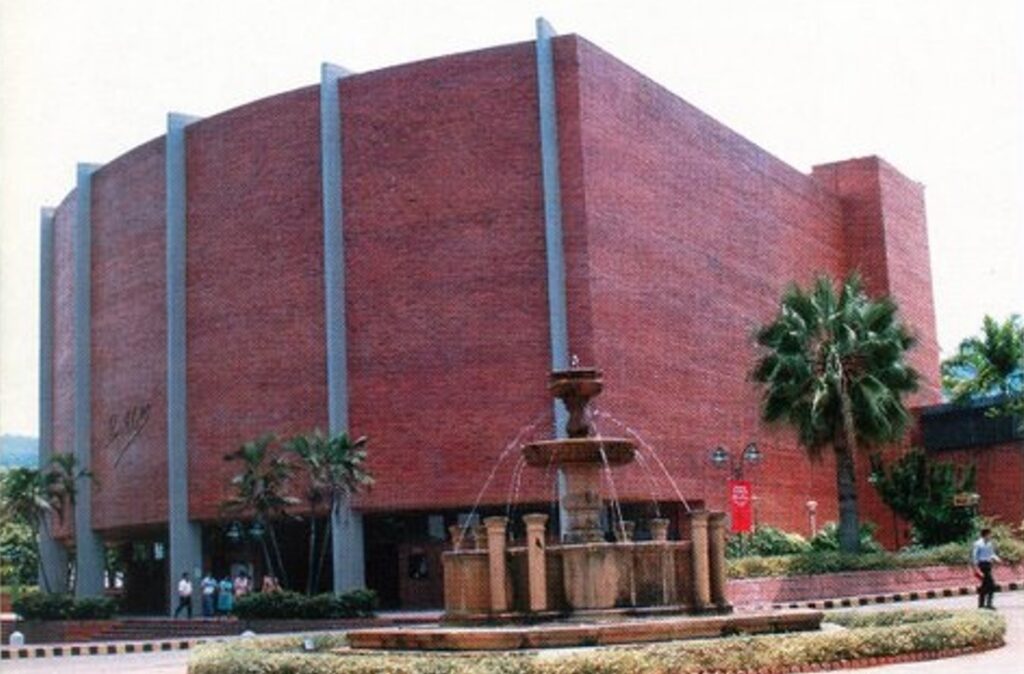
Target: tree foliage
[(335, 469), (833, 367), (921, 492), (260, 489), (989, 366), (33, 497)]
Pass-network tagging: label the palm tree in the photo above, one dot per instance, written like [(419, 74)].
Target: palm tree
[(32, 496), (832, 366), (335, 467), (990, 365), (259, 489)]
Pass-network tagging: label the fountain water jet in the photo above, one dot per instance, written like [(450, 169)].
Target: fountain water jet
[(601, 588)]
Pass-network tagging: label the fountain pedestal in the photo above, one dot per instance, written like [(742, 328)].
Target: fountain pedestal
[(586, 573)]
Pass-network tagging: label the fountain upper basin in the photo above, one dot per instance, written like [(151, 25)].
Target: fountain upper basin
[(560, 452)]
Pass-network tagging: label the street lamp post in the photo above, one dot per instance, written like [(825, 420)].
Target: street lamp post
[(740, 493), (721, 457)]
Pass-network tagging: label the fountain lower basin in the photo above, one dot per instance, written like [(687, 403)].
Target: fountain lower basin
[(624, 630)]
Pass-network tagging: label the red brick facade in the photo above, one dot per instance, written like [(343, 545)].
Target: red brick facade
[(680, 236), (129, 341)]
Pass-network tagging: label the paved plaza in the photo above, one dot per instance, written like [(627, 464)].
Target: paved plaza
[(1004, 660)]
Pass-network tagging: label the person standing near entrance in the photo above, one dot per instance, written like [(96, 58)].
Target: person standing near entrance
[(184, 596), (225, 596), (209, 589), (983, 554)]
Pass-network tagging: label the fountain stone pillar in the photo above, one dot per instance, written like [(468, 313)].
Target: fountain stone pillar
[(716, 561), (496, 545), (536, 562), (699, 551), (659, 529)]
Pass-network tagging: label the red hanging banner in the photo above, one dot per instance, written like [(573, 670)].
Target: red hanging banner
[(741, 506)]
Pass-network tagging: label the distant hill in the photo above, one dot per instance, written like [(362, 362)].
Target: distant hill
[(18, 451)]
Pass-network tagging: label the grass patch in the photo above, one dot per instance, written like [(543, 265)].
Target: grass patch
[(866, 635)]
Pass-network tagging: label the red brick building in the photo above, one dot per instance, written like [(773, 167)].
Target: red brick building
[(204, 261)]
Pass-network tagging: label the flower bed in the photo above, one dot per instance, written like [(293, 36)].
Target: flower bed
[(868, 638)]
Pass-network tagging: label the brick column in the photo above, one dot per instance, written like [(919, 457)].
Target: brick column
[(536, 562), (699, 552), (496, 527)]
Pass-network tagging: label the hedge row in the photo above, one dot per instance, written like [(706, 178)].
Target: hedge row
[(810, 563), (292, 605), (43, 606), (867, 635)]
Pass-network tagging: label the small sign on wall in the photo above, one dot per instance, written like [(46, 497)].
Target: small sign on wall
[(741, 506)]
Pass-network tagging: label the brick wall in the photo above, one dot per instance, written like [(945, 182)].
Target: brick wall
[(680, 236), (129, 340), (64, 340), (1000, 477), (692, 233), (782, 589), (445, 278), (887, 241), (254, 283)]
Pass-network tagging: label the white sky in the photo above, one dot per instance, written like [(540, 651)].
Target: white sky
[(934, 87)]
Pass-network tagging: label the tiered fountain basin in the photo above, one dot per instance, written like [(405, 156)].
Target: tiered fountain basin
[(604, 592)]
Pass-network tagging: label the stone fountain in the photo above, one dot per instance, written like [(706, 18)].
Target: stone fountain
[(585, 575), (500, 596)]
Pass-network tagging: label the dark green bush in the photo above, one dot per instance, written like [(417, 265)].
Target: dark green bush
[(290, 605), (766, 541), (93, 608), (43, 606)]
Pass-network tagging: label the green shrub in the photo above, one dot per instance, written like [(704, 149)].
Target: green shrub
[(291, 605), (93, 608), (43, 606), (827, 538), (866, 635), (766, 541)]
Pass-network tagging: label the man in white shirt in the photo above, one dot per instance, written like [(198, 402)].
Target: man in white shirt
[(184, 596), (983, 554)]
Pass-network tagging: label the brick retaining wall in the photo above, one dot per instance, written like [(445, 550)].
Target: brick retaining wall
[(783, 589)]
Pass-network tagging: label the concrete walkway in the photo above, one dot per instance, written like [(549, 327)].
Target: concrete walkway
[(1006, 660)]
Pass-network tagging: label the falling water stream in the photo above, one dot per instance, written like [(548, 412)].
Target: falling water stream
[(645, 445)]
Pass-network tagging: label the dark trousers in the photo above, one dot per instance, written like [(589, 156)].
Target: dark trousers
[(987, 587), (184, 603)]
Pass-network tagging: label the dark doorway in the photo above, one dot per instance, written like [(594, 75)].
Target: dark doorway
[(145, 576)]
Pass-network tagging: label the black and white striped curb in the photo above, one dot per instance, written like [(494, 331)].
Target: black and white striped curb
[(120, 648), (894, 598)]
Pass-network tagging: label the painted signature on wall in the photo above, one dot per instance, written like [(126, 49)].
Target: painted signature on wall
[(122, 429)]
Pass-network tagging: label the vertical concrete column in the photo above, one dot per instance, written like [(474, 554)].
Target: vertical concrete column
[(346, 524), (496, 563), (53, 558), (89, 557), (536, 560), (716, 560), (184, 537), (553, 245), (699, 551)]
